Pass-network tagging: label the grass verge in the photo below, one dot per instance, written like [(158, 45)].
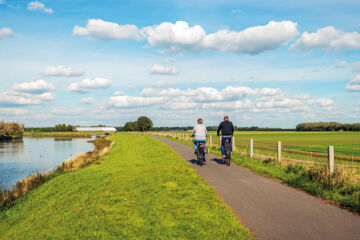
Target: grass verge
[(8, 196), (342, 188), (141, 189), (61, 134)]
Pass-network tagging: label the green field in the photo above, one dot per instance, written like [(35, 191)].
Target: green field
[(141, 189), (301, 145)]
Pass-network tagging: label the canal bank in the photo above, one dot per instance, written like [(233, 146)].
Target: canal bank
[(100, 147)]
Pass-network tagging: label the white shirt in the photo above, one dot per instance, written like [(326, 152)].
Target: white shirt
[(199, 131)]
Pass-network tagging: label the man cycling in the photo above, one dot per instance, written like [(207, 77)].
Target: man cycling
[(200, 133), (227, 130)]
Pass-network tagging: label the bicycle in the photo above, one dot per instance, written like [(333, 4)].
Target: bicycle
[(201, 150), (227, 157)]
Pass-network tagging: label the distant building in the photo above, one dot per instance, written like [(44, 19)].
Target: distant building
[(95, 129)]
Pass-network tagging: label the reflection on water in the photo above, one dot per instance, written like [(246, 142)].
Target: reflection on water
[(18, 159)]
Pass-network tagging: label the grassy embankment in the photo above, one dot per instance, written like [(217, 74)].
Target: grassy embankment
[(342, 188), (62, 134), (141, 189)]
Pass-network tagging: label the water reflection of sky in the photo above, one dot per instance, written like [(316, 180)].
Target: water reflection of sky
[(22, 158)]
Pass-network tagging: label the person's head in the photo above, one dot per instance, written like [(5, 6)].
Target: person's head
[(200, 121), (226, 118)]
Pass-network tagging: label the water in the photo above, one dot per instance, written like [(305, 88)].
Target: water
[(30, 155)]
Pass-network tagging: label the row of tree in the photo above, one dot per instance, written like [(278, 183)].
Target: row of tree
[(11, 130), (328, 126), (142, 124)]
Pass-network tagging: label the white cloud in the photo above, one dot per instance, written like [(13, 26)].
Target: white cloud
[(163, 70), (323, 102), (180, 105), (89, 100), (131, 102), (328, 38), (180, 37), (356, 67), (6, 33), (34, 86), (62, 71), (341, 64), (68, 111), (14, 111), (118, 93), (104, 30), (18, 99), (36, 5), (161, 84), (208, 94), (252, 40), (88, 85), (354, 84)]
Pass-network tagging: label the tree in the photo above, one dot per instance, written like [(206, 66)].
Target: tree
[(144, 123)]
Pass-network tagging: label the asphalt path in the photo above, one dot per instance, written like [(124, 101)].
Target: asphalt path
[(272, 210)]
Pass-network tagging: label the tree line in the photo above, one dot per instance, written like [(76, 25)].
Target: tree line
[(11, 130), (142, 124), (328, 126)]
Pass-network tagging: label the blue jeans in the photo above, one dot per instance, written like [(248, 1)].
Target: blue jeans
[(223, 144), (198, 140)]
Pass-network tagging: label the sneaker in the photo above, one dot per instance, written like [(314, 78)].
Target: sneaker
[(223, 156)]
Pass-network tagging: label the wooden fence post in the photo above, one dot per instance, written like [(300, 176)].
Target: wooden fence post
[(210, 140), (331, 159), (251, 147), (279, 151), (233, 143)]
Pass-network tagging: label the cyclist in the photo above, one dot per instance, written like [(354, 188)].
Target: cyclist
[(227, 130), (200, 133)]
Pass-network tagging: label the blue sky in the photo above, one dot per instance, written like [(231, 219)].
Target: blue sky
[(265, 63)]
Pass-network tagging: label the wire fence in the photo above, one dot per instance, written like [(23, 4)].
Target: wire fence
[(312, 154)]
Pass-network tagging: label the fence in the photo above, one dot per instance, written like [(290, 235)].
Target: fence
[(276, 150)]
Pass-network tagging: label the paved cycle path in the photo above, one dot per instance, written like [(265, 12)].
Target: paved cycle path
[(270, 209)]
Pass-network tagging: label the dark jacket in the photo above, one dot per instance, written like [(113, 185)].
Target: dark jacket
[(226, 128)]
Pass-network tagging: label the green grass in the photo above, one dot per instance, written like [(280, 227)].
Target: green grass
[(265, 142), (343, 188), (61, 134), (141, 189)]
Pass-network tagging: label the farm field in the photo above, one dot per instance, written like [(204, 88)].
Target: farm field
[(141, 189), (311, 146)]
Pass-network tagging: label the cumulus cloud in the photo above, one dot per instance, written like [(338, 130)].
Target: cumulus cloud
[(20, 99), (6, 33), (36, 5), (356, 67), (34, 86), (88, 85), (180, 37), (68, 111), (89, 100), (14, 111), (97, 28), (341, 64), (328, 38), (354, 84), (163, 70), (208, 94), (323, 102), (62, 71), (131, 102)]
